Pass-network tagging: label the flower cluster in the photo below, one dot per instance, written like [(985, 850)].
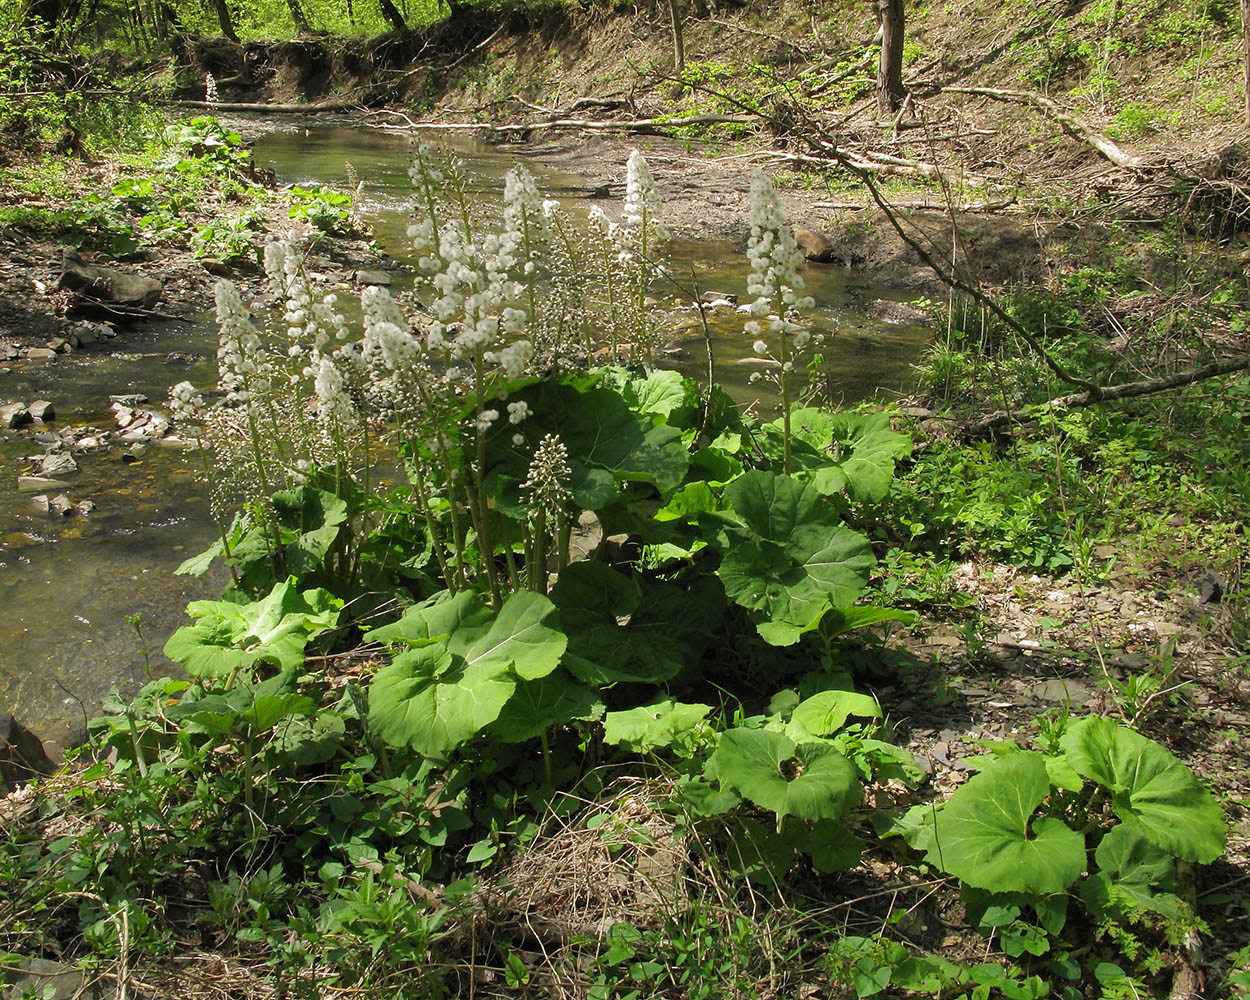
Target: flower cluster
[(210, 93), (244, 369), (544, 490), (186, 405), (774, 281)]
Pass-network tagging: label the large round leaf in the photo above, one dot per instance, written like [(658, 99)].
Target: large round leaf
[(982, 835), (795, 559), (1150, 788), (430, 700), (809, 780)]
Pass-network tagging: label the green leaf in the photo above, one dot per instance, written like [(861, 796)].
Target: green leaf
[(839, 622), (982, 833), (539, 704), (824, 713), (649, 727), (608, 446), (430, 700), (198, 565), (630, 628), (837, 452), (809, 780), (274, 630), (463, 670), (795, 561), (308, 520), (833, 847), (661, 394), (1150, 788)]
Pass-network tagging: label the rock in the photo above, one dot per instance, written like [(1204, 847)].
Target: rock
[(14, 415), (97, 285), (60, 345), (33, 484), (41, 502), (58, 463), (92, 333), (130, 399), (371, 277), (718, 298), (1210, 587), (85, 507), (40, 355), (214, 266), (134, 453), (41, 410), (61, 504), (48, 980), (897, 313), (1064, 692), (815, 246), (22, 755)]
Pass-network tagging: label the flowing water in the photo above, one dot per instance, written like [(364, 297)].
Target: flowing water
[(66, 584)]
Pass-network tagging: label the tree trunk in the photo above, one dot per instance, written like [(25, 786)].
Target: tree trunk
[(890, 92), (679, 42), (223, 18), (1245, 39), (393, 17), (297, 15)]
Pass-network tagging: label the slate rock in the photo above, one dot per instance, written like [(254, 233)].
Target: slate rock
[(58, 463), (22, 755), (815, 246), (108, 285), (33, 484), (372, 277), (14, 415), (61, 504), (41, 410), (40, 355)]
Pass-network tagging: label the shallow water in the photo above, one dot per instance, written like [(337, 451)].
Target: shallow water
[(67, 583)]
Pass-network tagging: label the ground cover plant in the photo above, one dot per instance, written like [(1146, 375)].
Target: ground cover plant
[(590, 603)]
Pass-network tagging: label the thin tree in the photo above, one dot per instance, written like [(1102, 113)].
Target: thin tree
[(1245, 40), (297, 15), (224, 19), (393, 17), (890, 91)]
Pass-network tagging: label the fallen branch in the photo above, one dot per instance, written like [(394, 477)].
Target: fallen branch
[(269, 109), (1127, 390), (936, 206), (635, 125), (1072, 125)]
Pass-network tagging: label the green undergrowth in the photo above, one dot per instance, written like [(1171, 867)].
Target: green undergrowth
[(191, 185)]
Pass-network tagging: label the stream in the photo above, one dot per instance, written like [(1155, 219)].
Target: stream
[(68, 584)]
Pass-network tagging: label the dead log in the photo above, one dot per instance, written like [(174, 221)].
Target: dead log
[(1070, 123), (1127, 390)]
